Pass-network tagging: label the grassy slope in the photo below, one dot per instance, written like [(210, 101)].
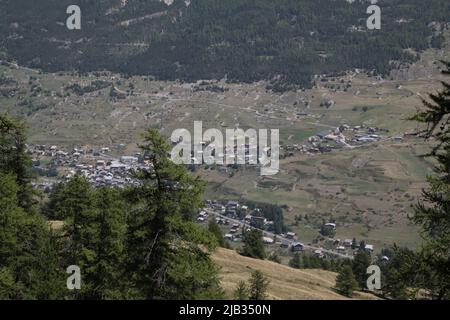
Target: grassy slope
[(285, 283)]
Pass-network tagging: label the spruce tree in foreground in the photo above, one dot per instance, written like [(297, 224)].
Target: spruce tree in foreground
[(360, 264), (14, 159), (346, 282), (29, 260), (432, 213), (110, 254), (168, 254), (241, 292), (214, 228), (296, 261), (399, 277), (258, 286), (253, 245)]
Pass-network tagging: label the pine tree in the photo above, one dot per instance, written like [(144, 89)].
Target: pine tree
[(9, 288), (295, 262), (306, 261), (28, 254), (432, 213), (258, 286), (214, 228), (354, 244), (360, 264), (94, 233), (28, 251), (242, 291), (274, 257), (107, 270), (253, 245), (14, 159), (399, 277), (362, 246), (346, 282), (168, 253), (76, 204)]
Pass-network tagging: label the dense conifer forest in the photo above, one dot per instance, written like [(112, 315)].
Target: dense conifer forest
[(285, 42)]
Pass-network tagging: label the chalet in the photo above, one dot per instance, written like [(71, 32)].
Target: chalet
[(229, 236), (284, 244), (221, 221), (61, 153), (117, 166), (369, 248), (203, 214), (290, 235), (233, 205), (323, 134), (366, 139), (237, 237), (328, 229), (319, 253), (231, 212), (200, 219), (348, 242), (297, 247), (100, 163), (129, 159), (233, 230), (258, 222), (330, 225)]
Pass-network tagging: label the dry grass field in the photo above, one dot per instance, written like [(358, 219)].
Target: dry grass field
[(285, 283)]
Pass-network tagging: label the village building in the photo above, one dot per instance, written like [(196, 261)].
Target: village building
[(284, 244), (258, 222), (297, 247), (290, 235)]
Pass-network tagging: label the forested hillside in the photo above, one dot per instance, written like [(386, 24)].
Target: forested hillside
[(284, 41)]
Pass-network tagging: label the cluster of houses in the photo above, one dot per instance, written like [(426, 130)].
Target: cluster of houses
[(348, 245), (231, 210), (290, 242), (99, 168), (253, 219), (343, 136)]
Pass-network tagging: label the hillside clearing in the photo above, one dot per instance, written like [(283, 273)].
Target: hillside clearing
[(285, 283)]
